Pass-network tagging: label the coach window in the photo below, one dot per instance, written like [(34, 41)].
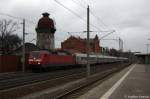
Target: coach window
[(61, 53)]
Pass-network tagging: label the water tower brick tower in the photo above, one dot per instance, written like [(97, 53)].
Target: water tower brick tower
[(45, 32)]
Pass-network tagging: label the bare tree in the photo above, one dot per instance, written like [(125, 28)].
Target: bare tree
[(8, 40)]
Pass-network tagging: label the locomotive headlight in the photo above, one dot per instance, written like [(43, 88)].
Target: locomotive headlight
[(38, 60)]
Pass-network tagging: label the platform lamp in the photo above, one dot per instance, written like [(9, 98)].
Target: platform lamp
[(147, 47)]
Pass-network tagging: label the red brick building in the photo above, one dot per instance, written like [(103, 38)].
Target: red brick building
[(74, 44)]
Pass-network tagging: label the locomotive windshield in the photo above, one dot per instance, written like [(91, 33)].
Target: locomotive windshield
[(35, 54)]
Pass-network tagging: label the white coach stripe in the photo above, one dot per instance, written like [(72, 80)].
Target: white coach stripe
[(114, 87)]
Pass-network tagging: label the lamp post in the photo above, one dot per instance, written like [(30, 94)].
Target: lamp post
[(147, 48)]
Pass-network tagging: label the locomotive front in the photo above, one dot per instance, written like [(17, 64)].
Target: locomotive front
[(37, 58)]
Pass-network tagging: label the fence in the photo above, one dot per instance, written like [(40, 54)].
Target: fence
[(9, 63), (12, 63)]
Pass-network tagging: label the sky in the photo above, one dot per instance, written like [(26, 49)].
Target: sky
[(129, 18)]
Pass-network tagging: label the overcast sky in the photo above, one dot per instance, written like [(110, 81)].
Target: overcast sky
[(129, 18)]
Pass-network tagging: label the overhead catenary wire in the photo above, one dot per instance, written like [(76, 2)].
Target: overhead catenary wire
[(19, 18), (98, 18), (15, 17), (75, 14), (69, 9), (75, 1), (83, 2), (92, 13), (4, 14)]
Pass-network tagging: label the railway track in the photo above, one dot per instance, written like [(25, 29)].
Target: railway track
[(67, 89), (15, 75), (10, 87), (101, 75), (20, 79), (24, 79)]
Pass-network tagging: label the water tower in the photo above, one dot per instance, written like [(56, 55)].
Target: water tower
[(45, 32)]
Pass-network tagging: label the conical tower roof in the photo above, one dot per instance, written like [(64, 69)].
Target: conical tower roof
[(45, 24)]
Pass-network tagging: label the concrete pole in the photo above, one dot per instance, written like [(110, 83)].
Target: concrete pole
[(88, 45), (146, 57), (147, 48), (119, 44), (122, 45), (23, 48)]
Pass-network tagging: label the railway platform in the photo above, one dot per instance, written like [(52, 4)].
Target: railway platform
[(131, 83)]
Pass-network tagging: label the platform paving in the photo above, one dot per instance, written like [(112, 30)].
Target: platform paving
[(131, 83), (135, 84)]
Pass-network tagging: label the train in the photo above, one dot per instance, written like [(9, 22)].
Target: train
[(44, 59)]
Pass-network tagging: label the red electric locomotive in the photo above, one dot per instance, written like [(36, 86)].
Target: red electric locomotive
[(44, 59)]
